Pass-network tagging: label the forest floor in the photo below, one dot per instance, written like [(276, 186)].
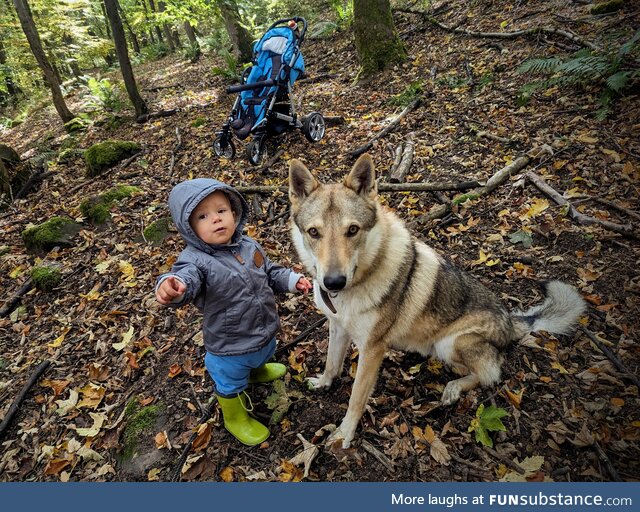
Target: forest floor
[(573, 415)]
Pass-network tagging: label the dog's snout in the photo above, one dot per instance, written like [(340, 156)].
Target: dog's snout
[(334, 282)]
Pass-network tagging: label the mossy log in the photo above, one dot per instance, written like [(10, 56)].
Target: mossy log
[(104, 155), (57, 231)]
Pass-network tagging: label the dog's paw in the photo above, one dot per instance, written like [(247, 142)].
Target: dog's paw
[(451, 393), (338, 435), (320, 382)]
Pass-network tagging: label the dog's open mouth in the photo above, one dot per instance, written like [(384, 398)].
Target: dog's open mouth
[(325, 298)]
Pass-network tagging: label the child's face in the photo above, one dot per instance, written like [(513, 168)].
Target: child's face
[(213, 220)]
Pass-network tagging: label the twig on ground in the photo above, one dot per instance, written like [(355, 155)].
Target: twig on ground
[(612, 357), (175, 476), (607, 462), (507, 461), (301, 336), (23, 392), (580, 218), (379, 456), (392, 126), (11, 304)]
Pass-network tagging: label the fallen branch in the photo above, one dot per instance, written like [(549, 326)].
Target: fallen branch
[(505, 35), (268, 163), (379, 456), (612, 357), (382, 187), (392, 126), (586, 220), (406, 160), (301, 336), (11, 304), (23, 392), (154, 115), (494, 182), (615, 476), (506, 460), (185, 452), (35, 178), (123, 165)]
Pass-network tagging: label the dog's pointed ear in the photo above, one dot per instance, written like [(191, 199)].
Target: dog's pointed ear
[(301, 181), (362, 178)]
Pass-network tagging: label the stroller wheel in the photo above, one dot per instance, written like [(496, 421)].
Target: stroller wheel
[(255, 150), (224, 149), (313, 127)]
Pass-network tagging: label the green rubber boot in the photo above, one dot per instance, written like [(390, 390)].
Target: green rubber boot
[(267, 373), (238, 422)]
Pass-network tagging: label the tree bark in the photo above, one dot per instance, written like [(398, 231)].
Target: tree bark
[(31, 32), (377, 41), (240, 37), (132, 34), (12, 89), (123, 57), (167, 31), (193, 41), (158, 31)]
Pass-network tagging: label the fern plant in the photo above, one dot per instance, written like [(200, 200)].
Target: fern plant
[(230, 70), (612, 71), (105, 95)]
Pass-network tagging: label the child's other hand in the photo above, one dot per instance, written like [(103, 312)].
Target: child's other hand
[(304, 285), (169, 290)]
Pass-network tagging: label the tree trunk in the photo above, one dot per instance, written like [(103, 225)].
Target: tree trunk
[(167, 31), (193, 41), (240, 37), (123, 57), (30, 31), (377, 41), (12, 89), (158, 31), (132, 34)]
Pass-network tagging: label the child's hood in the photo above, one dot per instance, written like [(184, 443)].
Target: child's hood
[(187, 195)]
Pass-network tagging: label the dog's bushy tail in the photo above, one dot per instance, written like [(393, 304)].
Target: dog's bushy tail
[(558, 314)]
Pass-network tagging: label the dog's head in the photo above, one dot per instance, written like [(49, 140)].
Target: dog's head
[(334, 227)]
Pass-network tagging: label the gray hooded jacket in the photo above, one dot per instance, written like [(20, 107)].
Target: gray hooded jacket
[(232, 285)]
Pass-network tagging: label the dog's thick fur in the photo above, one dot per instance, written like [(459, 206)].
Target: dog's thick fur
[(381, 288)]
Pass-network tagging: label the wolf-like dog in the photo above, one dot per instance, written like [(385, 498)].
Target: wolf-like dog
[(382, 288)]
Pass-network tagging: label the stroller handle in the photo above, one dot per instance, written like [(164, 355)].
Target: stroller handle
[(297, 19)]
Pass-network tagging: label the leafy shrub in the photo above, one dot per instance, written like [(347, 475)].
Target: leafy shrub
[(611, 71), (231, 69), (105, 95)]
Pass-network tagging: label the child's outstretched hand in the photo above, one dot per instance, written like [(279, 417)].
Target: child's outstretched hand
[(169, 290), (304, 285)]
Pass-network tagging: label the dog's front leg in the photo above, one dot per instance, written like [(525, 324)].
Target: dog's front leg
[(369, 362), (338, 342)]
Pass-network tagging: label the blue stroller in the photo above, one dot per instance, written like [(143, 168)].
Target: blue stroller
[(264, 107)]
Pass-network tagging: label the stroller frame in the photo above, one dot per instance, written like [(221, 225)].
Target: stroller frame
[(280, 109)]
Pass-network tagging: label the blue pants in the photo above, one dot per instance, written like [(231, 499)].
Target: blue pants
[(230, 374)]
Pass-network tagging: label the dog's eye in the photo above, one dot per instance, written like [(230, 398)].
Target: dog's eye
[(313, 233), (353, 230)]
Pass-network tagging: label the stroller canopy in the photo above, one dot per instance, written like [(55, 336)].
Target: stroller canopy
[(273, 55)]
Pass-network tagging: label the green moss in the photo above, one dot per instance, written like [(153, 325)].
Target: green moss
[(464, 197), (119, 193), (67, 155), (104, 155), (606, 7), (139, 421), (408, 95), (4, 249), (75, 125), (45, 236), (198, 121), (96, 209), (157, 231), (45, 278)]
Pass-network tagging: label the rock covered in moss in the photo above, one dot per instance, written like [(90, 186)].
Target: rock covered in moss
[(105, 155), (45, 277), (607, 7), (96, 209), (157, 231), (139, 421), (57, 231)]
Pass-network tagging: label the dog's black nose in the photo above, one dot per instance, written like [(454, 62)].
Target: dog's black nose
[(334, 283)]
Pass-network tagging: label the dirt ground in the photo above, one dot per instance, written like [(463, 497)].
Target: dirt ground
[(573, 415)]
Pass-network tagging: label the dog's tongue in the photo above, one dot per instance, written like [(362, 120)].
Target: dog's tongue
[(327, 300)]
